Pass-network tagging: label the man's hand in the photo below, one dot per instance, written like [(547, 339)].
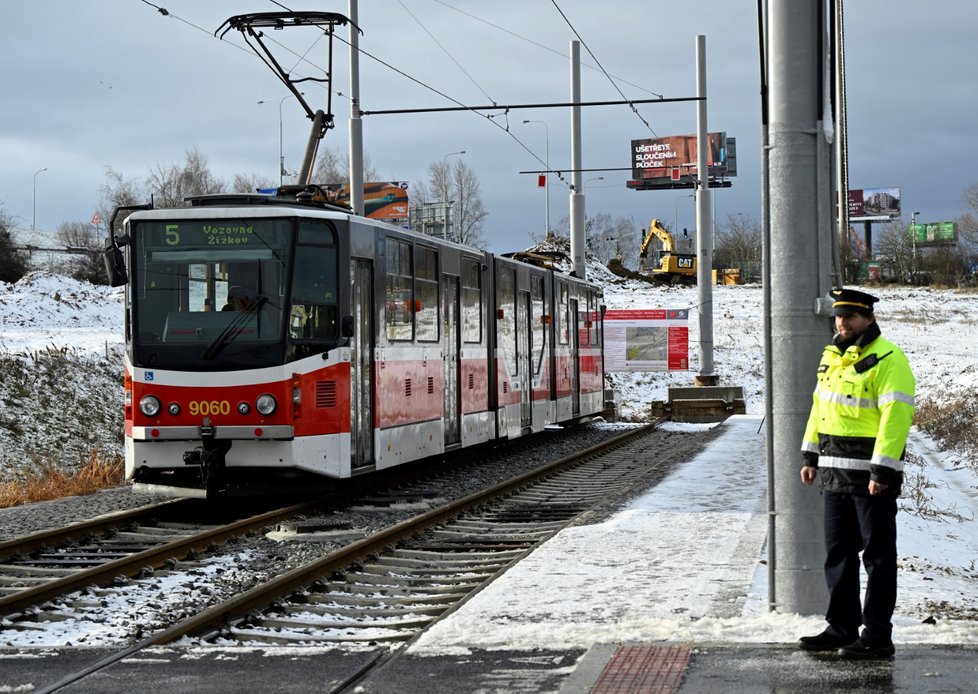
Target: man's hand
[(876, 488), (808, 474)]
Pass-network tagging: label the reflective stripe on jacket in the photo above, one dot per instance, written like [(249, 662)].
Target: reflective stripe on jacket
[(862, 409)]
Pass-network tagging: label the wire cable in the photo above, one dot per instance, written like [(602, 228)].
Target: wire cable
[(595, 58), (539, 45)]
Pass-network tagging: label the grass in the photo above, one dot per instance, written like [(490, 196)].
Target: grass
[(46, 481), (953, 422)]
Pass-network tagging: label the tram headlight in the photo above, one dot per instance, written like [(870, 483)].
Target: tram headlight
[(149, 405), (266, 404), (173, 408)]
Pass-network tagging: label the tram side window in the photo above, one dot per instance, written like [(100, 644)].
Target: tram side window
[(471, 301), (506, 323), (426, 293), (538, 335), (563, 314), (314, 314), (399, 303)]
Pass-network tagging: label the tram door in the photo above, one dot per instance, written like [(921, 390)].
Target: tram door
[(452, 351), (523, 357), (362, 364), (575, 345)]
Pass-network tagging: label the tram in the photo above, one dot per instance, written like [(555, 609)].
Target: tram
[(277, 341)]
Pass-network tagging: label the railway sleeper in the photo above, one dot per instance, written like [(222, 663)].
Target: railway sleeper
[(357, 610), (439, 557), (380, 601), (364, 622), (246, 635), (379, 592), (28, 570)]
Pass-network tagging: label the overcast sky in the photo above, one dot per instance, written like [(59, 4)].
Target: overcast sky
[(115, 83)]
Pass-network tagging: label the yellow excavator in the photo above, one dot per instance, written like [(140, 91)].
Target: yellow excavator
[(671, 267)]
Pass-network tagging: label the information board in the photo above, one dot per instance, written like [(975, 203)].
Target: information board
[(654, 339)]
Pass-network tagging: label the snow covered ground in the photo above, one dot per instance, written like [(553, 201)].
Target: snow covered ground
[(684, 561)]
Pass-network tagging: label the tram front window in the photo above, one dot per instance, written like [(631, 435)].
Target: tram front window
[(208, 289)]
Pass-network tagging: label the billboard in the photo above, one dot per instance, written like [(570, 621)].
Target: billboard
[(387, 201), (874, 205), (655, 339), (667, 160), (934, 234)]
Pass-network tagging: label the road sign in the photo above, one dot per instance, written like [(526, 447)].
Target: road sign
[(96, 219)]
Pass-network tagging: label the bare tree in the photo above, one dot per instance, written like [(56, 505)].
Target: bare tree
[(333, 166), (171, 184), (895, 251), (458, 185), (83, 243), (739, 245), (13, 263), (250, 183), (613, 238)]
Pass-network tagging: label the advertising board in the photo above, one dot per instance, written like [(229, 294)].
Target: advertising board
[(665, 160), (874, 204), (655, 339), (934, 234)]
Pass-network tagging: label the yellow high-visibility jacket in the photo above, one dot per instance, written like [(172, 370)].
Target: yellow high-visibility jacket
[(862, 409)]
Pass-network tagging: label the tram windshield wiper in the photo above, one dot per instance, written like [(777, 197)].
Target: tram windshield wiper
[(234, 328)]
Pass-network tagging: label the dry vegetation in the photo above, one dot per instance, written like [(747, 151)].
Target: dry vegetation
[(953, 422), (46, 481)]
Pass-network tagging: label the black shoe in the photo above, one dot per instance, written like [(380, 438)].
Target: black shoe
[(824, 642), (866, 650)]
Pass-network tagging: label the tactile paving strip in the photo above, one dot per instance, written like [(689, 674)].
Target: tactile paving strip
[(643, 669)]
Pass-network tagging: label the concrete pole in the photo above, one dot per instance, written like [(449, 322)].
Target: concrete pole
[(704, 226), (356, 123), (578, 237), (796, 277)]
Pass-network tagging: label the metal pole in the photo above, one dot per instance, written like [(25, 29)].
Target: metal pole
[(577, 231), (281, 151), (34, 203), (356, 123), (704, 227), (797, 332)]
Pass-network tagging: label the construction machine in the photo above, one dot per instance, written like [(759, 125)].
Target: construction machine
[(670, 267)]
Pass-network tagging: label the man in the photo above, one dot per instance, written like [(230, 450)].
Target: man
[(855, 439)]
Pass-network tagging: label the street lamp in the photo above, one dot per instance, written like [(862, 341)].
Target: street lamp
[(34, 204), (281, 155), (597, 178), (547, 157)]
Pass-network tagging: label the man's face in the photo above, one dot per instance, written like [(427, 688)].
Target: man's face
[(852, 325)]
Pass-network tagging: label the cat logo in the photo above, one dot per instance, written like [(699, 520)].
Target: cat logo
[(686, 263)]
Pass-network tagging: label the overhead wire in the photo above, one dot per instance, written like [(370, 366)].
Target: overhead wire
[(595, 58), (540, 45)]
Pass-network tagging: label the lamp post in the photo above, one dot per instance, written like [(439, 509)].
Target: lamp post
[(913, 241), (596, 178), (281, 155), (675, 224), (546, 130), (34, 203)]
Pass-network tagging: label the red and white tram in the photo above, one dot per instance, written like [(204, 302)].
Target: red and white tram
[(272, 342)]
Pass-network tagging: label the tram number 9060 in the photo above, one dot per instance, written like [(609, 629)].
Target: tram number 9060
[(207, 408)]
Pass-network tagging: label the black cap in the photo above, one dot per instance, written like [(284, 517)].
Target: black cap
[(848, 301)]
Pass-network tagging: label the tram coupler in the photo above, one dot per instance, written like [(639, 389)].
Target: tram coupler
[(211, 458)]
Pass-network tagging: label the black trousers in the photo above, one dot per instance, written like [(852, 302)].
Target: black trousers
[(855, 523)]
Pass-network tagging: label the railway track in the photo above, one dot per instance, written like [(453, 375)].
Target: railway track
[(46, 565), (388, 587)]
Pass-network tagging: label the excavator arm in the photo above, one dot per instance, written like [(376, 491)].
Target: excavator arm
[(656, 230)]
